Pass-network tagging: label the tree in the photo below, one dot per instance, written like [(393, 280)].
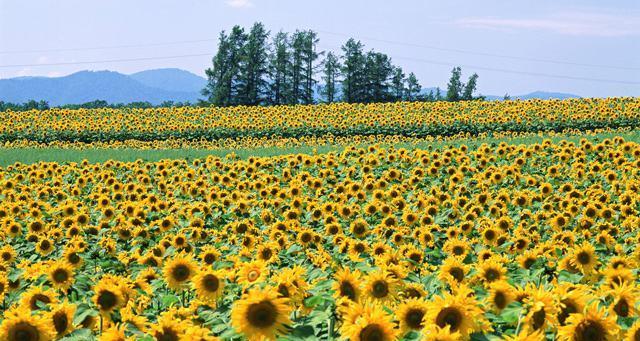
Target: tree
[(352, 71), (331, 71), (254, 67), (506, 97), (470, 87), (438, 94), (378, 72), (397, 84), (279, 66), (222, 79), (310, 55), (413, 88), (455, 86)]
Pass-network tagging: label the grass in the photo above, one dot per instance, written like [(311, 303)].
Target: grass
[(10, 156)]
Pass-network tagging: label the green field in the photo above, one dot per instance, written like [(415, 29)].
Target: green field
[(10, 156)]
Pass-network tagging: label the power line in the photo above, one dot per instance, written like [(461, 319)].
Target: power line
[(539, 60), (109, 47), (108, 61), (527, 73), (435, 62)]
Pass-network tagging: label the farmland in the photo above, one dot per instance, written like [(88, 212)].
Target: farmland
[(438, 221)]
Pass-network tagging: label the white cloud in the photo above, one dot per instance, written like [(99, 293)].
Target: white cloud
[(240, 3), (568, 23)]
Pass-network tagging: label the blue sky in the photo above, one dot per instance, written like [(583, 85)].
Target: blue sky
[(586, 39)]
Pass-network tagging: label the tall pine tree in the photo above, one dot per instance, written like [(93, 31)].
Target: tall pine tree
[(331, 72)]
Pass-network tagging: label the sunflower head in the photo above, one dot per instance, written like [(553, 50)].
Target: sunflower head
[(260, 314)]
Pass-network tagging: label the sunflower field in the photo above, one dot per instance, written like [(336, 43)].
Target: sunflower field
[(375, 241)]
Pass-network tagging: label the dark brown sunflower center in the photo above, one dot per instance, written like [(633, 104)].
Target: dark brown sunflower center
[(283, 290), (372, 332), (211, 282), (266, 254), (500, 300), (528, 263), (306, 237), (23, 331), (590, 331), (209, 258), (44, 299), (60, 275), (568, 309), (539, 319), (584, 258), (262, 315), (107, 300), (622, 308), (380, 289), (60, 321), (167, 334), (358, 229), (347, 289), (413, 318), (636, 336), (451, 317), (73, 258), (491, 274), (458, 250), (181, 273), (457, 273)]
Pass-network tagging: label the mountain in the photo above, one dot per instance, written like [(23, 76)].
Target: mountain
[(154, 86), (546, 95), (170, 80)]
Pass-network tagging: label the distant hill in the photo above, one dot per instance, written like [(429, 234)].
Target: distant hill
[(170, 80), (154, 86)]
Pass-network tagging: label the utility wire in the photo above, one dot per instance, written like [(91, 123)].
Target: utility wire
[(108, 61), (109, 47), (539, 60)]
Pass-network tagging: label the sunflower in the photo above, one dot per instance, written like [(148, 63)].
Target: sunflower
[(168, 327), (542, 308), (573, 299), (624, 300), (373, 323), (460, 312), (252, 272), (347, 284), (633, 333), (435, 333), (114, 333), (380, 285), (584, 258), (209, 255), (20, 325), (209, 285), (411, 313), (108, 296), (62, 318), (491, 270), (60, 275), (501, 294), (261, 314), (36, 298), (178, 271), (453, 271), (591, 324)]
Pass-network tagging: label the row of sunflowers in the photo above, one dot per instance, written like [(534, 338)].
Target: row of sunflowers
[(504, 241), (407, 119)]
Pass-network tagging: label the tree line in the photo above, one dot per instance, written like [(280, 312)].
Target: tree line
[(251, 67), (44, 105)]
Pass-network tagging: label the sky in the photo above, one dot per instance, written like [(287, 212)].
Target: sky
[(586, 47)]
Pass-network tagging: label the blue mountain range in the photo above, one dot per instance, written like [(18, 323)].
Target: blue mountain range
[(154, 86)]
